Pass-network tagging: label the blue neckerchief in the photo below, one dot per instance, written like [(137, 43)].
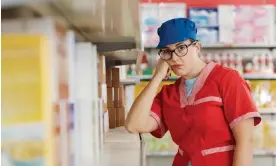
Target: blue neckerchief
[(189, 84)]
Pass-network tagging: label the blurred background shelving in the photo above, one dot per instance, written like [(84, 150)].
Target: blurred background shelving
[(90, 59)]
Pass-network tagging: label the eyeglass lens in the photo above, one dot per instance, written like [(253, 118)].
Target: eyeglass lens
[(181, 50)]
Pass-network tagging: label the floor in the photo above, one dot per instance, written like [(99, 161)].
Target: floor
[(124, 149)]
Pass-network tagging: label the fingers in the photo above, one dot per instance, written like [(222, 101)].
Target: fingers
[(168, 74)]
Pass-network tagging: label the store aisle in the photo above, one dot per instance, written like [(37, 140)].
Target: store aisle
[(121, 149)]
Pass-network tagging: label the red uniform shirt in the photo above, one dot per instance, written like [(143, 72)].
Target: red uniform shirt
[(201, 124)]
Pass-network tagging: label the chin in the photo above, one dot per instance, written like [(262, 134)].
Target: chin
[(179, 73)]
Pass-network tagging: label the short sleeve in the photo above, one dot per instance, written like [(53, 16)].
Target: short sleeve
[(237, 100), (157, 114)]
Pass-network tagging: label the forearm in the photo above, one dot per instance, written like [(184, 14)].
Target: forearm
[(140, 109), (243, 155)]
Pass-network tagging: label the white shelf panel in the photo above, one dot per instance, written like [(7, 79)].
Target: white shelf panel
[(122, 57), (257, 152), (259, 76), (148, 77), (234, 46), (245, 76), (267, 110), (164, 153), (133, 81), (262, 152), (239, 45)]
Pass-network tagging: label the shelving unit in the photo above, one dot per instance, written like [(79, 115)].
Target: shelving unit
[(130, 81), (261, 152), (259, 76), (231, 46), (235, 46), (164, 153), (104, 30), (268, 111), (257, 152), (245, 76), (121, 57), (78, 17)]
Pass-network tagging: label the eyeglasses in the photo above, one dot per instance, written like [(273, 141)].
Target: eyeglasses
[(180, 51)]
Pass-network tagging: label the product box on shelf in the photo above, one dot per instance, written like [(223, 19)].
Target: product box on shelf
[(204, 17), (164, 144), (58, 52), (106, 122), (269, 137), (246, 61), (247, 24), (115, 77), (149, 22), (115, 99), (120, 117), (119, 97), (264, 93), (122, 96), (27, 101), (208, 35), (265, 135), (206, 20), (152, 15), (112, 117), (110, 97), (101, 122), (70, 45), (87, 111), (167, 11), (62, 110), (102, 69), (109, 77), (102, 91)]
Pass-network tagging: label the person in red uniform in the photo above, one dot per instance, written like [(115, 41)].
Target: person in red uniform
[(213, 123)]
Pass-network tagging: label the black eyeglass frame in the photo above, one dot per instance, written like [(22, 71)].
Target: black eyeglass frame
[(173, 51)]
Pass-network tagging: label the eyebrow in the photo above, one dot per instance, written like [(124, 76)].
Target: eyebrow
[(179, 44), (166, 48)]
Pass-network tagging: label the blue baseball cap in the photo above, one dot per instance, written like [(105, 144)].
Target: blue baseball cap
[(176, 30)]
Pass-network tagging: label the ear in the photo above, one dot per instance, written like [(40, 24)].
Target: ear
[(198, 46)]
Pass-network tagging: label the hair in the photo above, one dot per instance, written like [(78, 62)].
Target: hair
[(193, 40)]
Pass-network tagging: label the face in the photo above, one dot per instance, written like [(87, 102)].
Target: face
[(184, 57)]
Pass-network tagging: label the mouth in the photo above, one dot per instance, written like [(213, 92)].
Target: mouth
[(177, 66)]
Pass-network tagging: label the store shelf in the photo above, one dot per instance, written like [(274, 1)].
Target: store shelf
[(238, 46), (149, 77), (221, 46), (164, 153), (130, 81), (112, 43), (259, 76), (78, 16), (257, 152), (245, 76), (262, 152), (121, 57), (267, 111)]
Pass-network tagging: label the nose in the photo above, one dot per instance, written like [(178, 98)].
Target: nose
[(174, 57)]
